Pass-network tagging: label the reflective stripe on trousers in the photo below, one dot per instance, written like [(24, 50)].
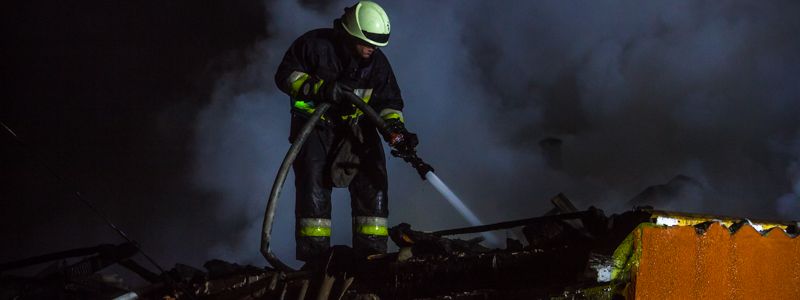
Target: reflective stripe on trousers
[(314, 227), (370, 225)]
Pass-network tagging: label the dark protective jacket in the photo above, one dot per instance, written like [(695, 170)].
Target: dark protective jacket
[(316, 57), (324, 53)]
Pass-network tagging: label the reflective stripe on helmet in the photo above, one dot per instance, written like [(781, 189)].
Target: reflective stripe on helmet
[(314, 227), (370, 225)]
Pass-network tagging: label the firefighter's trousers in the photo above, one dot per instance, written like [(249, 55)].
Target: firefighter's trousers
[(313, 184)]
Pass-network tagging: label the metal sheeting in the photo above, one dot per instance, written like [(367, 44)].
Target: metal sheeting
[(681, 263)]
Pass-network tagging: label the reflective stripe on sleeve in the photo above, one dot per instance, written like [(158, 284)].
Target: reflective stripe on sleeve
[(315, 227), (364, 94), (295, 81), (388, 114), (304, 106), (370, 225)]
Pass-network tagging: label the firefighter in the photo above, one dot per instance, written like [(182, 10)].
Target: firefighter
[(344, 149)]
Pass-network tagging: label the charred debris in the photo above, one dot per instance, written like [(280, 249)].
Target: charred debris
[(569, 255)]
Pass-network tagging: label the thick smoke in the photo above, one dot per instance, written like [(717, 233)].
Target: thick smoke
[(642, 92), (637, 93)]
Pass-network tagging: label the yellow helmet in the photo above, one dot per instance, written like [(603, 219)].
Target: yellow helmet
[(368, 22)]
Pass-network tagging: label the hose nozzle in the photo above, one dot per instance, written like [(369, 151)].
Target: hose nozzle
[(411, 157)]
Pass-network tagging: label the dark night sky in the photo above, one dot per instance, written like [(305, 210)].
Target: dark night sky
[(108, 91), (165, 115)]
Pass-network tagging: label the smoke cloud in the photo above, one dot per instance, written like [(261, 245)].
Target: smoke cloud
[(636, 93), (643, 92)]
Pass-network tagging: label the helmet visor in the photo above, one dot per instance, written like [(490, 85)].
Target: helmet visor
[(376, 37)]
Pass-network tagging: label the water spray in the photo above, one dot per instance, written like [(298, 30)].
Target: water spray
[(453, 199), (426, 172)]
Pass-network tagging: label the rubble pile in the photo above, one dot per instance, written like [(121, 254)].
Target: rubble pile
[(567, 254)]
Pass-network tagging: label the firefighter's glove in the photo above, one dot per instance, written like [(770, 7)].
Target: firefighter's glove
[(400, 139), (322, 91)]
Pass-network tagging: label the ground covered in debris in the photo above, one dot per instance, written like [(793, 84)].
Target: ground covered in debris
[(567, 254)]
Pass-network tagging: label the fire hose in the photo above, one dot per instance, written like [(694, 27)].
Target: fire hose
[(269, 215)]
